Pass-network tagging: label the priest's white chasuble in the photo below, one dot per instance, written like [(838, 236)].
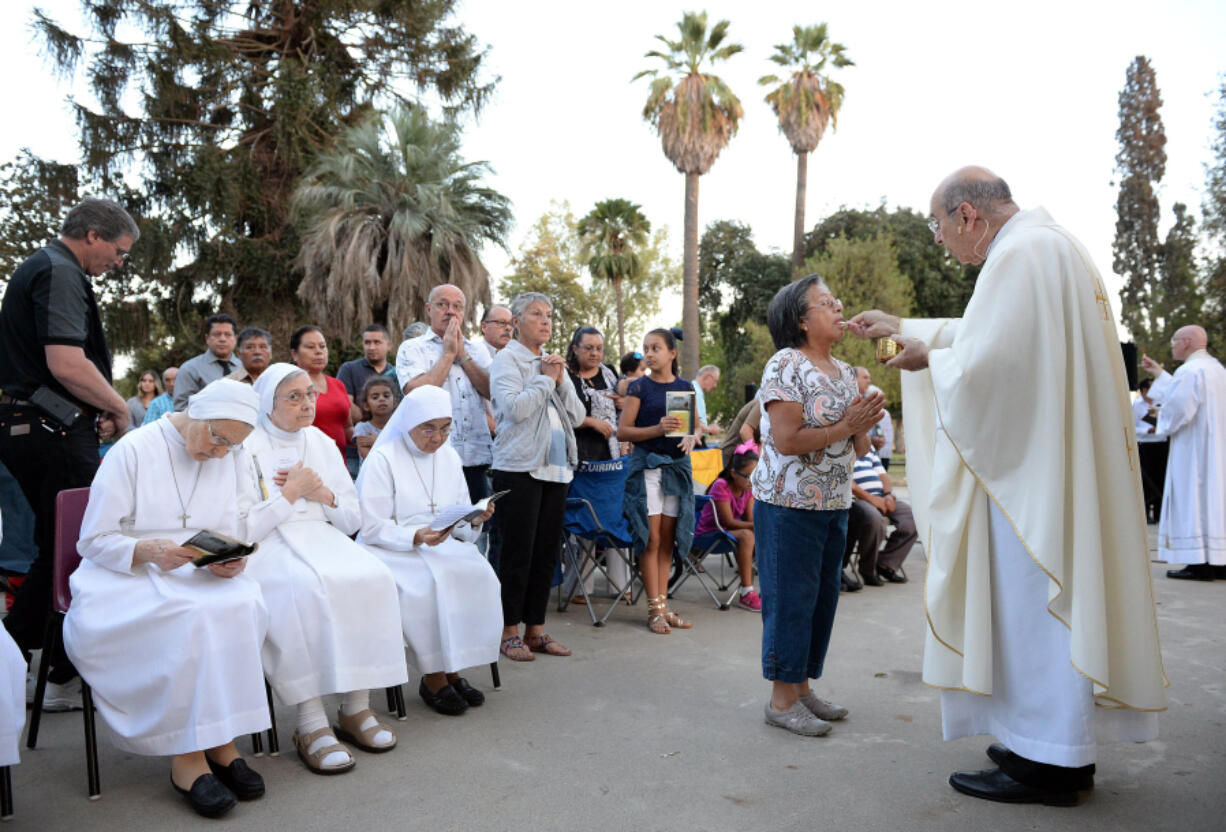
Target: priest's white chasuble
[(1027, 493), (173, 657), (1192, 528), (450, 598), (334, 616)]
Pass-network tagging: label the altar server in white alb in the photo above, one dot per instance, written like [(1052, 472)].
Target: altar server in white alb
[(450, 598), (172, 651), (334, 618), (1192, 527), (1039, 599)]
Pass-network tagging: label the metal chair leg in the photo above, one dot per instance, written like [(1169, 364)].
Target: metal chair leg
[(257, 744), (495, 676), (6, 793), (40, 686), (401, 713), (91, 742), (391, 700), (274, 745)]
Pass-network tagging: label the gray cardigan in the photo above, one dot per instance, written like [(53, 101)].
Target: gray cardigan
[(520, 394)]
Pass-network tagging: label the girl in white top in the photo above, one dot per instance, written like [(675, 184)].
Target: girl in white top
[(333, 612)]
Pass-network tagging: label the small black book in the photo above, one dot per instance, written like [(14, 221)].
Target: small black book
[(215, 547)]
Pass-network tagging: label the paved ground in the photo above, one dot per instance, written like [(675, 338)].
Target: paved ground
[(643, 732)]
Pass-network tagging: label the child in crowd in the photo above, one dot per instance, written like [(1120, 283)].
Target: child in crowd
[(378, 401), (659, 498), (631, 367), (732, 504)]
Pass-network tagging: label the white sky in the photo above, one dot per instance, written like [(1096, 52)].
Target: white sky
[(1028, 89)]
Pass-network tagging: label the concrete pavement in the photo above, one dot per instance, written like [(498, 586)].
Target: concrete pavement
[(642, 732)]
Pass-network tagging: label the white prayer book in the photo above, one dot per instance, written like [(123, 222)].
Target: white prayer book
[(463, 512)]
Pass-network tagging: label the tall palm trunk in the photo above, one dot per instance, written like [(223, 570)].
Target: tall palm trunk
[(798, 227), (621, 318), (689, 281)]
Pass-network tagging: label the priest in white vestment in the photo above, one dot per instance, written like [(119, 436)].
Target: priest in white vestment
[(1192, 527), (450, 598), (172, 651), (334, 617), (1022, 465)]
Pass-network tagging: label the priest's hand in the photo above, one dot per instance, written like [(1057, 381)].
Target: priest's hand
[(1152, 367), (166, 554), (430, 537), (914, 355), (300, 482), (874, 324), (228, 569)]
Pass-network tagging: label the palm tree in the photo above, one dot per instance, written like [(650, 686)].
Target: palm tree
[(696, 115), (805, 103), (391, 212), (610, 235)]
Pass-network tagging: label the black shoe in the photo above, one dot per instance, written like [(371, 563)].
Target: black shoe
[(1000, 755), (846, 584), (872, 580), (239, 778), (1192, 572), (447, 701), (208, 796), (471, 695), (994, 784), (890, 575), (1219, 573)]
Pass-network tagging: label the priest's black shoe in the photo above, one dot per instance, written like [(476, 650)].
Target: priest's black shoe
[(447, 701), (1219, 573), (208, 796), (471, 695), (994, 784), (894, 577), (1192, 572), (1082, 778), (239, 778)]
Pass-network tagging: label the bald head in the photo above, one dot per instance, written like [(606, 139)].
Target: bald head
[(987, 192), (1187, 340)]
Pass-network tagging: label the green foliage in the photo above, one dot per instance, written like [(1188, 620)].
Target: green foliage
[(1214, 225), (940, 286), (216, 107), (610, 237), (1180, 300), (807, 98), (1140, 163), (864, 274), (551, 261), (388, 214), (754, 349), (34, 197)]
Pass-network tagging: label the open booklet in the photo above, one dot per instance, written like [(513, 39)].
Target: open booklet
[(462, 512), (215, 547)]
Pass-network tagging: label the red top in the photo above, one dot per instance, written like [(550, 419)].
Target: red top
[(332, 412)]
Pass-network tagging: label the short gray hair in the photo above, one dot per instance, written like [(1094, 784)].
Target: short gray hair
[(521, 303), (104, 216), (988, 195), (415, 329), (705, 369)]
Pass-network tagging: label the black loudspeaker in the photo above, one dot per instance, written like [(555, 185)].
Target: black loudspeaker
[(1131, 359)]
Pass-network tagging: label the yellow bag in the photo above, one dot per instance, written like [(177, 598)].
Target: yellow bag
[(706, 464)]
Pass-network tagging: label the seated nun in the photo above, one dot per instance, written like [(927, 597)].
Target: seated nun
[(172, 651), (334, 617), (12, 698), (450, 601)]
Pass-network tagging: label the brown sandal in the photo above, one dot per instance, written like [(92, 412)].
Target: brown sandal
[(547, 645), (515, 650), (315, 761), (350, 730), (657, 616)]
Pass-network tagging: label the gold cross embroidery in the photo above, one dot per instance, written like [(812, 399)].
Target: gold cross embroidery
[(1131, 450), (1100, 297)]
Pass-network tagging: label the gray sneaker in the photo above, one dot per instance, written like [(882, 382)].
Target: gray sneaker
[(797, 719), (57, 698), (821, 708)]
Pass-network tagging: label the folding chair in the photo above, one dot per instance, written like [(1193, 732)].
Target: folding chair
[(594, 519), (718, 542), (69, 511)]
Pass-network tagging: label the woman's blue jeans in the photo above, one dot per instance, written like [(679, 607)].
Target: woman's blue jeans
[(800, 556)]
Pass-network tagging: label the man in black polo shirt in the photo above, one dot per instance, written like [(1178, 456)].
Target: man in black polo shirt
[(52, 344)]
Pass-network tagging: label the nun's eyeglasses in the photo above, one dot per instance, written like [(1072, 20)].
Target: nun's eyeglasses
[(296, 398), (430, 433)]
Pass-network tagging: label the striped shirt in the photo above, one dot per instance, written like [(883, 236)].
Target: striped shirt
[(867, 474)]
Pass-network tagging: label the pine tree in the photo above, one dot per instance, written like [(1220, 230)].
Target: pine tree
[(216, 107), (1140, 164)]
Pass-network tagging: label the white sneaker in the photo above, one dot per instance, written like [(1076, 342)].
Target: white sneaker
[(56, 698)]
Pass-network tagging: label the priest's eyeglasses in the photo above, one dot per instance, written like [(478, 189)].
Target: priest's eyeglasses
[(296, 398)]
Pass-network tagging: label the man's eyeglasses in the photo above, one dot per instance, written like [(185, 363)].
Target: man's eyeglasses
[(443, 306), (297, 397), (504, 324), (934, 224)]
